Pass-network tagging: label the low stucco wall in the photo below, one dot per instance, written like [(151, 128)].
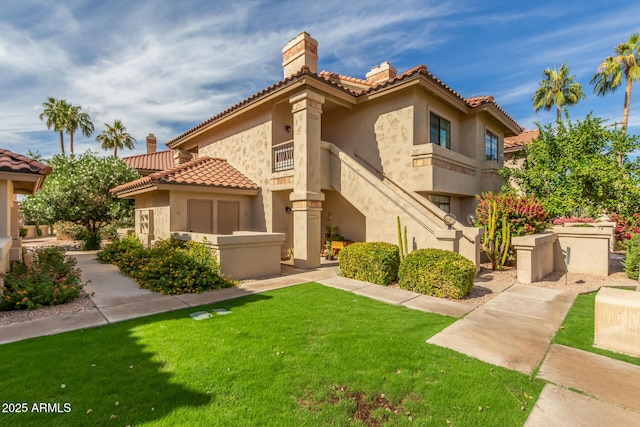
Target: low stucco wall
[(617, 321), (243, 254), (590, 250), (538, 255), (31, 231), (534, 255)]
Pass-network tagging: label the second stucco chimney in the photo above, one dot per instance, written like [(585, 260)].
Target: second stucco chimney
[(151, 143), (301, 50), (180, 157), (381, 73)]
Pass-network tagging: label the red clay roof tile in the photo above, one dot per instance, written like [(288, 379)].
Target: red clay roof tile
[(334, 80), (205, 171), (157, 161), (515, 143), (13, 162)]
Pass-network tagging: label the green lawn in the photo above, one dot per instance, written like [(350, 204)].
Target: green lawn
[(578, 329), (306, 355)]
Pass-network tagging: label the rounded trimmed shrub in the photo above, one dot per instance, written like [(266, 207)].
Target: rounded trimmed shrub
[(373, 262), (632, 260), (437, 272)]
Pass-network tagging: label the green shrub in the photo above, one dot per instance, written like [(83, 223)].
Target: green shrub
[(51, 279), (632, 260), (112, 252), (437, 272), (169, 266), (373, 262)]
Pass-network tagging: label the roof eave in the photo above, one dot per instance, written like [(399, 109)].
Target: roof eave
[(330, 90)]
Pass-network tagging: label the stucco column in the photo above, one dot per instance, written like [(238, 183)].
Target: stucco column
[(306, 197), (448, 239)]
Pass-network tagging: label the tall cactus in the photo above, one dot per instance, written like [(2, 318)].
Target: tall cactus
[(402, 248), (496, 243)]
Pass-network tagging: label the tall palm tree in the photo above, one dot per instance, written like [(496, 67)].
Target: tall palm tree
[(625, 62), (56, 112), (115, 137), (557, 88), (77, 120)]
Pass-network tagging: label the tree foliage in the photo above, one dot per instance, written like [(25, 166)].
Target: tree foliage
[(77, 190), (115, 137), (575, 167), (64, 117), (625, 63), (557, 89)]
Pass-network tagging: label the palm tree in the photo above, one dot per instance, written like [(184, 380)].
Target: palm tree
[(625, 62), (56, 112), (77, 120), (557, 89), (115, 137)]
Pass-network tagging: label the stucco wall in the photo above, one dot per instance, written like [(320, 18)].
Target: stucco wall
[(179, 202), (350, 221), (392, 135), (249, 151)]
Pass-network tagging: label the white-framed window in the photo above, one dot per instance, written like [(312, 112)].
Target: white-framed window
[(439, 131), (491, 147)]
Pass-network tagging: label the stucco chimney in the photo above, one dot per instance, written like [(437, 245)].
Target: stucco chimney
[(151, 143), (180, 157), (381, 73), (301, 50)]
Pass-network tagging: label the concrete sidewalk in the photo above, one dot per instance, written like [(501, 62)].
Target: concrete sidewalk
[(515, 330), (118, 298)]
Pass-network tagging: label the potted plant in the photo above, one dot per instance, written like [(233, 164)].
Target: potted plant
[(328, 251)]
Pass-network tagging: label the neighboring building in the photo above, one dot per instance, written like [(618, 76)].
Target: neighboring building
[(515, 144), (156, 161), (18, 175), (329, 150)]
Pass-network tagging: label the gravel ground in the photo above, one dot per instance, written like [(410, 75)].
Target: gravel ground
[(82, 303), (580, 283)]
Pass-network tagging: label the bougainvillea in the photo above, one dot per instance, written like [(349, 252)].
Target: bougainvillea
[(626, 226)]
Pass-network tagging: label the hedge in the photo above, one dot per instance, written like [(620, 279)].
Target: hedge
[(437, 272), (373, 262)]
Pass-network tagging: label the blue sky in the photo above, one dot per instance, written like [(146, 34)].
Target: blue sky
[(163, 66)]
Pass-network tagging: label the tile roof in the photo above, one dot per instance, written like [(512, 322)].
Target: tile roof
[(158, 161), (334, 80), (13, 162), (515, 143), (203, 172)]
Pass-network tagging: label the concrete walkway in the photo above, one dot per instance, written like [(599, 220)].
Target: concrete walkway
[(513, 330)]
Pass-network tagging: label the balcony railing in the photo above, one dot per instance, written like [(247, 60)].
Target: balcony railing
[(282, 157)]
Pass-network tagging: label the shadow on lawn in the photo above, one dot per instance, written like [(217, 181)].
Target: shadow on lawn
[(105, 374)]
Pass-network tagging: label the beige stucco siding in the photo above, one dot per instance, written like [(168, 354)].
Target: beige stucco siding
[(248, 149)]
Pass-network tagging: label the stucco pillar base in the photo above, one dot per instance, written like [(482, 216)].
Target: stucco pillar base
[(307, 233), (448, 239), (616, 326)]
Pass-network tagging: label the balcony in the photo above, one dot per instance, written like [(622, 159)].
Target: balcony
[(282, 157)]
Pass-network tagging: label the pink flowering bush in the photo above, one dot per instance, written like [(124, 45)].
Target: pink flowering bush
[(525, 215), (626, 226), (51, 279)]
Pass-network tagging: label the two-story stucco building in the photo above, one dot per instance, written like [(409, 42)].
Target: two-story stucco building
[(319, 149)]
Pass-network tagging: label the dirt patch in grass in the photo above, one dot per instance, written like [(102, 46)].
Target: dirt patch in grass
[(373, 411)]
